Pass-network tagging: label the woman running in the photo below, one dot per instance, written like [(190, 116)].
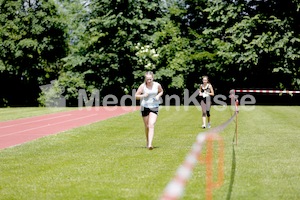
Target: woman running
[(149, 93), (205, 92)]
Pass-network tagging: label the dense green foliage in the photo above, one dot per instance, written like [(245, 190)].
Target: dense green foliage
[(259, 39), (33, 41), (108, 45)]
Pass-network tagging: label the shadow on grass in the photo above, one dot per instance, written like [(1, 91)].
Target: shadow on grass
[(233, 167), (144, 147)]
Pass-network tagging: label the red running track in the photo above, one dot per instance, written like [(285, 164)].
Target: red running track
[(15, 132)]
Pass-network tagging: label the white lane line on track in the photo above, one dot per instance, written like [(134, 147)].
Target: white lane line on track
[(47, 125), (40, 120)]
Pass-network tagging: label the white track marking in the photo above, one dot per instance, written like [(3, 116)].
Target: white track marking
[(40, 120), (47, 125)]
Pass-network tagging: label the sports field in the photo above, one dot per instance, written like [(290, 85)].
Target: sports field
[(108, 159)]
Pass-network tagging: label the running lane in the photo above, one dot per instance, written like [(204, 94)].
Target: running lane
[(15, 132)]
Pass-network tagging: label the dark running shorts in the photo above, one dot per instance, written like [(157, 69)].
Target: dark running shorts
[(145, 111)]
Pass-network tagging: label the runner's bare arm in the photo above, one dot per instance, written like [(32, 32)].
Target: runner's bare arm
[(212, 93), (139, 93), (160, 92)]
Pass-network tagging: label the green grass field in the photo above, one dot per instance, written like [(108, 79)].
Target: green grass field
[(108, 159)]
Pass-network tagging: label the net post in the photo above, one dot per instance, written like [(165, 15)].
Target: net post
[(210, 184), (236, 121)]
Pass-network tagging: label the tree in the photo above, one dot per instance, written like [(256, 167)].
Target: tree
[(174, 59), (114, 29), (72, 75), (256, 40), (183, 57), (33, 41)]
